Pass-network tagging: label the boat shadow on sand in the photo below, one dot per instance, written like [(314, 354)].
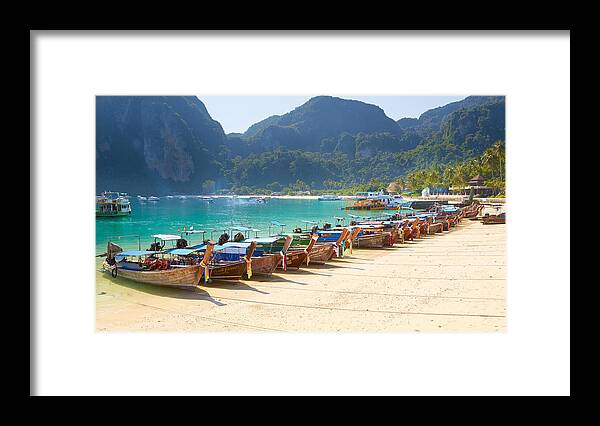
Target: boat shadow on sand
[(326, 266), (188, 293)]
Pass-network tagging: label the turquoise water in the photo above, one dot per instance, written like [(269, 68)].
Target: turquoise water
[(168, 215)]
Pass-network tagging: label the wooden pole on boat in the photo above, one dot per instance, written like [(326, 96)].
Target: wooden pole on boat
[(341, 241), (286, 246), (353, 236), (307, 250), (204, 263), (248, 258)]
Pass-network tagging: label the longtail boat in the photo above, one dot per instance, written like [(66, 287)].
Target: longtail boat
[(494, 219), (296, 257), (145, 266), (378, 231), (367, 237), (367, 204), (327, 250), (213, 260), (234, 259), (370, 241), (257, 261), (322, 250), (292, 256), (473, 210), (269, 246)]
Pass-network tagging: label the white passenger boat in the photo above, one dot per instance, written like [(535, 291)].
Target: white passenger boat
[(390, 202), (329, 197), (112, 204)]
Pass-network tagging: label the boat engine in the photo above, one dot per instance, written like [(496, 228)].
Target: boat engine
[(314, 229), (327, 226), (223, 239), (182, 243), (297, 230), (239, 237), (155, 246)]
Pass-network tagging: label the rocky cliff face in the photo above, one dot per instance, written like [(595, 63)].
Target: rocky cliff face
[(155, 144)]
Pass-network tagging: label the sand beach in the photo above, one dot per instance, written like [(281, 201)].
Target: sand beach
[(454, 281)]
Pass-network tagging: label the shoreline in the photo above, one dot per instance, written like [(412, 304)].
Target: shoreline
[(348, 197)]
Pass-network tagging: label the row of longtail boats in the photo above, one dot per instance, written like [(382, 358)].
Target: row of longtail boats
[(190, 266)]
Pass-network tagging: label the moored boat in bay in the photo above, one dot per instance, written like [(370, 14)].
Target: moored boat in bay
[(112, 204)]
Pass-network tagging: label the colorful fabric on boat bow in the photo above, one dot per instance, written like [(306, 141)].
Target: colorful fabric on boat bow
[(248, 267), (206, 270)]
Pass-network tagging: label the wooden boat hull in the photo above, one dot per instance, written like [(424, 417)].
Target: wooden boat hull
[(266, 265), (113, 214), (493, 220), (232, 271), (370, 241), (177, 277), (389, 239), (294, 259), (434, 228), (321, 253), (364, 208)]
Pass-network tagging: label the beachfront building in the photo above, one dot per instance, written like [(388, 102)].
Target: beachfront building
[(394, 188), (477, 185), (434, 190)]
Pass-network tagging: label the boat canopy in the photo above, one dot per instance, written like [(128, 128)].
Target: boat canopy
[(195, 231), (277, 223), (137, 253), (241, 228), (182, 251), (202, 247), (123, 254), (262, 240), (236, 244), (167, 237), (310, 222)]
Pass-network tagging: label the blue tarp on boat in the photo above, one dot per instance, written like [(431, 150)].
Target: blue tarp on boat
[(122, 255), (202, 247), (233, 244), (182, 251)]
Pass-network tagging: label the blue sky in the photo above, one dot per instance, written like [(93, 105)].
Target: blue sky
[(237, 113)]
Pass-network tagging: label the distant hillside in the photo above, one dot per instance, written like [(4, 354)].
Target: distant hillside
[(365, 148), (320, 118), (170, 144), (433, 118), (156, 144)]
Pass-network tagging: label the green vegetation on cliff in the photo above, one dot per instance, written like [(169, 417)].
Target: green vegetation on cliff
[(170, 144)]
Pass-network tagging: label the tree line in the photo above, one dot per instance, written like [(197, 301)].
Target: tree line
[(491, 165)]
